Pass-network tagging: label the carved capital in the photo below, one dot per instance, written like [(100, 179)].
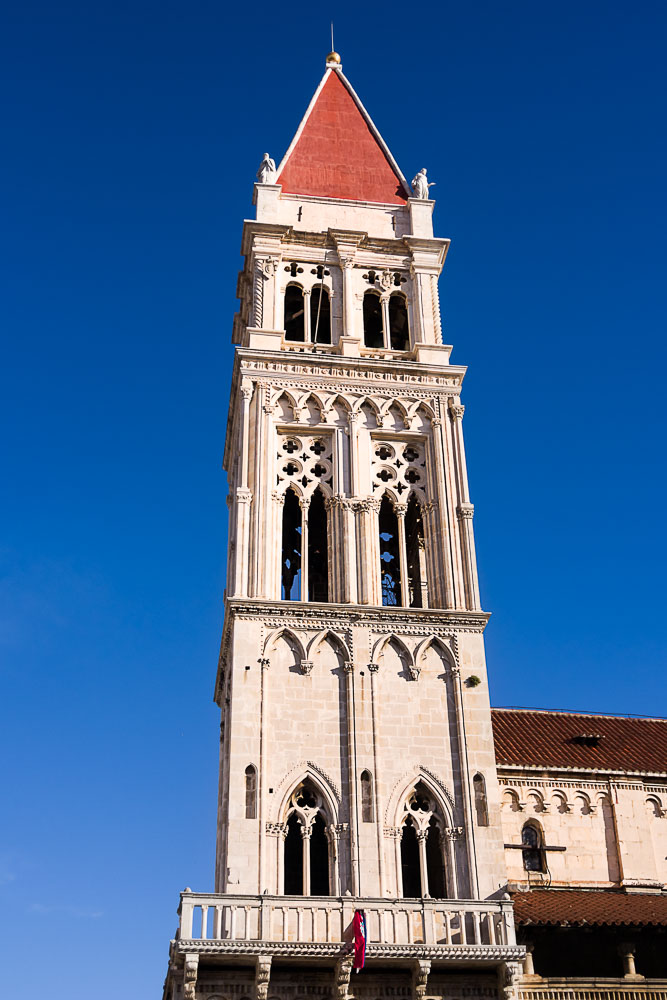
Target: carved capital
[(348, 667), (306, 666), (243, 496), (304, 503), (456, 409), (454, 833), (436, 422), (264, 662), (367, 505), (276, 830), (393, 832), (373, 667), (414, 673), (268, 265), (278, 498), (400, 509), (465, 511), (247, 390)]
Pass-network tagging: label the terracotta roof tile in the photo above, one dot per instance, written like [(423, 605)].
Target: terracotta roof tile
[(559, 906), (559, 739)]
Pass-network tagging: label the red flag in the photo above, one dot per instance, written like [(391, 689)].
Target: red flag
[(360, 939)]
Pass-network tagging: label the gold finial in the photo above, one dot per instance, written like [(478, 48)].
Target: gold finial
[(333, 58)]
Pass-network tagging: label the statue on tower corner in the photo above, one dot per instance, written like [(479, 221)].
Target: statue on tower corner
[(267, 170), (420, 185)]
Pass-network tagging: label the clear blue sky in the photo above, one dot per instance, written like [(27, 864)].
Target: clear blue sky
[(131, 133)]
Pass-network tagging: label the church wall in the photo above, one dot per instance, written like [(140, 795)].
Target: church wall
[(612, 831)]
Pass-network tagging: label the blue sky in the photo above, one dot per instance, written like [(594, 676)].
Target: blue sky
[(131, 134)]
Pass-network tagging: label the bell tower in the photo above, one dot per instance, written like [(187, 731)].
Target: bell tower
[(357, 767)]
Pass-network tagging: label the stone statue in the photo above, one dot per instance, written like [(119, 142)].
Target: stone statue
[(267, 171), (420, 184)]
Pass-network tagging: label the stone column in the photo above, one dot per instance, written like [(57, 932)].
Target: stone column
[(465, 509), (306, 832), (528, 965), (306, 315), (384, 299), (304, 503), (368, 550), (452, 836), (347, 264), (373, 669), (263, 741), (243, 498), (401, 509), (423, 863), (465, 783), (443, 560), (627, 952), (352, 774)]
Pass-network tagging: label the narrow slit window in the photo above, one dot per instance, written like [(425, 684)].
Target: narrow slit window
[(294, 313), (366, 797), (291, 548), (532, 852), (479, 786), (250, 792)]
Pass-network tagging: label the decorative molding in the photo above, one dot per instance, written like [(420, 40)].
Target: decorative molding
[(465, 511), (453, 952)]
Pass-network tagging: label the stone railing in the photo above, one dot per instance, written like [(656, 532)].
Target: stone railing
[(323, 923), (594, 989)]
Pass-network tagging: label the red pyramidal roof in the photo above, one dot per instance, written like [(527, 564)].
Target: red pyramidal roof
[(338, 153)]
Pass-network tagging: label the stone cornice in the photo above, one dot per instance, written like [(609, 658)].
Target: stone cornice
[(444, 952), (359, 614), (516, 770)]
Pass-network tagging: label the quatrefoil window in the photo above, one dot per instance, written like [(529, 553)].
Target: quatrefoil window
[(318, 447), (290, 445)]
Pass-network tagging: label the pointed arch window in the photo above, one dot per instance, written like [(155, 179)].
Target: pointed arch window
[(532, 849), (366, 797), (294, 313), (291, 548), (390, 565), (307, 860), (250, 792), (320, 315), (422, 846), (415, 555), (318, 555)]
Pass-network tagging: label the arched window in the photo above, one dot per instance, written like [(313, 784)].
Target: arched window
[(532, 849), (291, 548), (306, 857), (399, 335), (250, 792), (479, 786), (415, 555), (390, 571), (373, 325), (366, 797), (318, 556), (320, 316), (294, 313), (422, 848)]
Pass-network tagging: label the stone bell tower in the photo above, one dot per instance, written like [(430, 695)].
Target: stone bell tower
[(356, 759)]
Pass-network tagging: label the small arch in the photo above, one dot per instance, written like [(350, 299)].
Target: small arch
[(335, 639), (290, 636), (532, 847), (294, 313), (481, 808), (511, 800), (399, 332), (536, 800), (584, 802), (320, 315), (654, 807), (436, 643), (367, 811), (251, 792), (559, 799), (392, 640), (373, 323)]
